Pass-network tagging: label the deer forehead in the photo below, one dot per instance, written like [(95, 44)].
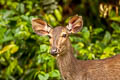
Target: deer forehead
[(58, 31)]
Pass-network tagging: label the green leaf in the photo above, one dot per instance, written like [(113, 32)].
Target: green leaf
[(52, 20), (2, 32), (43, 76), (107, 38), (91, 56), (20, 8), (58, 15), (60, 9), (116, 27), (54, 73), (7, 13), (86, 33), (117, 18), (12, 67), (98, 30), (20, 70), (46, 2), (44, 48)]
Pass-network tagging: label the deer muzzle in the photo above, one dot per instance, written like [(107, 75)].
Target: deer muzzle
[(54, 51)]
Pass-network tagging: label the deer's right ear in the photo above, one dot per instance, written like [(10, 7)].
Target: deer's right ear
[(40, 27)]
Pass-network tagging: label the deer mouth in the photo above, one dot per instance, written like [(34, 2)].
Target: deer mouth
[(56, 55)]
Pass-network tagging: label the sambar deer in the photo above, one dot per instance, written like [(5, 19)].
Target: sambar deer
[(71, 68)]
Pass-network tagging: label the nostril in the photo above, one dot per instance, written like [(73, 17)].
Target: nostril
[(54, 51)]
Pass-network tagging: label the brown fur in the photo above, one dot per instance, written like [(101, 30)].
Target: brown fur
[(73, 69), (69, 66)]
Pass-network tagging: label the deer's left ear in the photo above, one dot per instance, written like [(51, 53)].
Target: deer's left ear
[(75, 24)]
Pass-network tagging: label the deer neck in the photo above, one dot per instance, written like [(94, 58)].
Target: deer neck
[(67, 62)]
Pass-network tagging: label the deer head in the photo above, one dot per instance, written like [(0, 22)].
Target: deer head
[(59, 35)]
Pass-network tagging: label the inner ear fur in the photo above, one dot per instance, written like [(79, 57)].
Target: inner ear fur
[(40, 27), (75, 24)]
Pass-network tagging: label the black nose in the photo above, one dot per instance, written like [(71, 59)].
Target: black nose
[(54, 51)]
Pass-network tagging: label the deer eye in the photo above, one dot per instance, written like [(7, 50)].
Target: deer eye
[(49, 36), (64, 35)]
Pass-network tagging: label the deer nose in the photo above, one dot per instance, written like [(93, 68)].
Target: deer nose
[(54, 51)]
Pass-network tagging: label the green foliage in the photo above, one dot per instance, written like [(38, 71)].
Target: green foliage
[(25, 56)]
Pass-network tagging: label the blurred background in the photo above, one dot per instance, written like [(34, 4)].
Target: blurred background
[(25, 55)]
